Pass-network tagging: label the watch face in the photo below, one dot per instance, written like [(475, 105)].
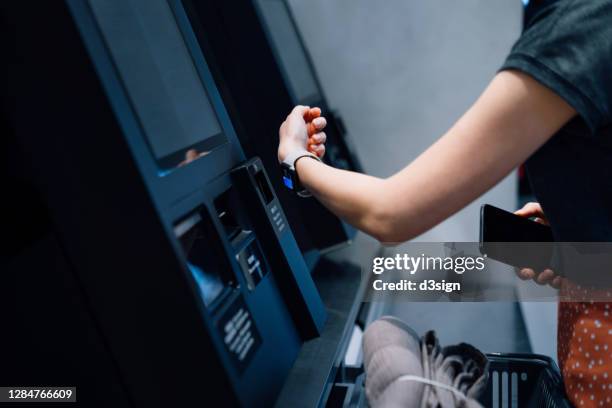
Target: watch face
[(288, 182), (288, 176)]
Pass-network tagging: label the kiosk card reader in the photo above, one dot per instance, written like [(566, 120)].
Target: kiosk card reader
[(180, 255), (257, 52)]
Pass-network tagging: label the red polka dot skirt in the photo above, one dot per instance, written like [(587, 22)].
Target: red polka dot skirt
[(585, 352)]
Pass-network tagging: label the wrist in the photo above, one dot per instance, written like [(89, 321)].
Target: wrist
[(295, 155), (291, 178), (286, 149)]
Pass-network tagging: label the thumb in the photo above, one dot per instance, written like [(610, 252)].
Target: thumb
[(530, 210)]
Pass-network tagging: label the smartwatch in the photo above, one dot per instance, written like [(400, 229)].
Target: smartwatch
[(290, 176)]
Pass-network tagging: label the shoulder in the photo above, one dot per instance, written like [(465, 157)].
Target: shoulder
[(585, 13), (567, 46)]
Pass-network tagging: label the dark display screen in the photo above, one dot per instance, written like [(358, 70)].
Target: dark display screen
[(289, 49), (159, 75)]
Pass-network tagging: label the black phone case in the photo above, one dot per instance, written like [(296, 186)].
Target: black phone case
[(514, 240)]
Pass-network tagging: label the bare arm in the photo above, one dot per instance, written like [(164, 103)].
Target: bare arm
[(512, 118)]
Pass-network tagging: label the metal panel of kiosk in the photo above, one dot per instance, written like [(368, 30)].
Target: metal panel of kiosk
[(180, 246), (261, 85)]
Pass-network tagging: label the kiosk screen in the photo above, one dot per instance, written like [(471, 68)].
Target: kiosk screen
[(158, 73), (289, 49)]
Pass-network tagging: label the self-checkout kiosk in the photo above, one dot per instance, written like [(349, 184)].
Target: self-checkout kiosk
[(257, 51), (180, 279)]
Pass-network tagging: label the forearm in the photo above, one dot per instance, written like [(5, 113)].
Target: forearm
[(509, 122), (406, 204), (352, 196)]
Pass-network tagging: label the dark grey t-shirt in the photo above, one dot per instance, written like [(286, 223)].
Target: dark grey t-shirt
[(567, 46)]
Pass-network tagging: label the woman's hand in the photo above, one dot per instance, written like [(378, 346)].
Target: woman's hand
[(547, 276), (302, 130)]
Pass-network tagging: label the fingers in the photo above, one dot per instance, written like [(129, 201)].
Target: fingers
[(531, 210), (557, 282), (316, 125), (318, 149), (312, 129), (311, 114), (316, 143), (191, 155), (318, 138), (526, 274), (319, 123), (545, 277)]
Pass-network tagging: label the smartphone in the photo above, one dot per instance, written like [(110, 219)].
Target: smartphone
[(497, 225), (513, 239)]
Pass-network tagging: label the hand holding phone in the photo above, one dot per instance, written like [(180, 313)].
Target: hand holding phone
[(512, 239), (497, 225), (547, 276)]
